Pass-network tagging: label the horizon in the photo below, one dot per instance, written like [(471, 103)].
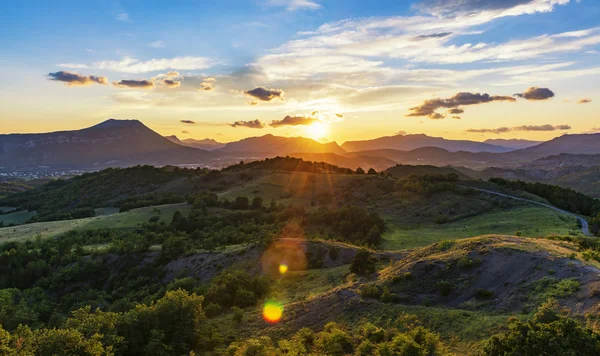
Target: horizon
[(327, 70), (306, 137)]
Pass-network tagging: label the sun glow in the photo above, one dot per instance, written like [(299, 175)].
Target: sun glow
[(317, 130)]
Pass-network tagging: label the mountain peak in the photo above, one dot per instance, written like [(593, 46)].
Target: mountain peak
[(114, 123)]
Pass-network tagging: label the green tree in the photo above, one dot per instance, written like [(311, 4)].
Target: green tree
[(548, 333), (241, 203), (363, 263), (257, 203)]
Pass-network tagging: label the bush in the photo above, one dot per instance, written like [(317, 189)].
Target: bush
[(547, 333), (363, 263), (444, 288)]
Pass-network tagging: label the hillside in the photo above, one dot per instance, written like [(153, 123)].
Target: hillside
[(112, 143), (411, 142)]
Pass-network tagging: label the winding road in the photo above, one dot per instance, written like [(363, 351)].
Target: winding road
[(584, 224)]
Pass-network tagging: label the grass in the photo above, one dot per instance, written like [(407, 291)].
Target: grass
[(302, 285), (554, 288), (17, 217), (288, 187), (529, 221), (127, 220)]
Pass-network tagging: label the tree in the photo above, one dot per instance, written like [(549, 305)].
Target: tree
[(372, 171), (359, 170), (548, 333), (363, 263), (241, 203), (257, 203)]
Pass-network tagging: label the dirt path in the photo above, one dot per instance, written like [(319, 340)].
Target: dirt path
[(584, 224)]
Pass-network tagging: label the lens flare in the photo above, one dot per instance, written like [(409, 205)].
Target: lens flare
[(272, 311), (283, 268)]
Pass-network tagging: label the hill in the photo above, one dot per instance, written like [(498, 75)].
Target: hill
[(207, 144), (269, 145), (112, 143), (404, 171), (411, 142), (513, 143), (353, 162)]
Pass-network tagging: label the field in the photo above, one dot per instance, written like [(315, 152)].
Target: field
[(17, 217), (530, 221), (126, 220)]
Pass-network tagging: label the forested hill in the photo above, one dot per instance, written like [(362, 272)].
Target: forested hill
[(61, 199)]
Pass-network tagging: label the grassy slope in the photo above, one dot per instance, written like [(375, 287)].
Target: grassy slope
[(17, 217), (531, 221), (129, 219)]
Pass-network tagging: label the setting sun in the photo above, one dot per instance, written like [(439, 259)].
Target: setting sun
[(317, 131)]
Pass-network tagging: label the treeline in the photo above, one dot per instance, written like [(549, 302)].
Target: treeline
[(8, 188), (400, 339), (564, 198), (149, 200), (289, 164)]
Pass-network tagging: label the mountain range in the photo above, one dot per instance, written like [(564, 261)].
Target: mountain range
[(411, 142), (129, 142), (207, 144)]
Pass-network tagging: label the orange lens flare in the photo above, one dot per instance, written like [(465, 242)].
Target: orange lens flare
[(272, 311), (283, 268)]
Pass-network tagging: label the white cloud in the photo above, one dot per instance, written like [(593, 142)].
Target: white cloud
[(132, 65), (123, 16), (157, 44), (293, 5)]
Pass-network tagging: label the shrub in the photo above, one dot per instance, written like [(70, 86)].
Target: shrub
[(363, 263)]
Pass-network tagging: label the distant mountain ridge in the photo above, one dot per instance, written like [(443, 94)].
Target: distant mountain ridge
[(276, 146), (513, 143), (573, 144), (411, 142), (110, 143), (207, 144)]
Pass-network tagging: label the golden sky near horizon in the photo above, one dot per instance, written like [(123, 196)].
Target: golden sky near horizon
[(332, 71)]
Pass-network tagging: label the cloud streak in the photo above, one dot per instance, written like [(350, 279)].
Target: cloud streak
[(264, 94), (188, 122), (252, 124), (429, 107), (74, 79), (170, 83), (132, 65), (297, 120), (134, 84), (293, 5), (536, 94), (501, 130)]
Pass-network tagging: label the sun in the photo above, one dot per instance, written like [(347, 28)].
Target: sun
[(317, 130)]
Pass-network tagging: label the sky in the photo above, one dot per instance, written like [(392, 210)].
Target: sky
[(337, 70)]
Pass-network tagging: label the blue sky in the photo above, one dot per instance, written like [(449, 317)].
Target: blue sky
[(356, 69)]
